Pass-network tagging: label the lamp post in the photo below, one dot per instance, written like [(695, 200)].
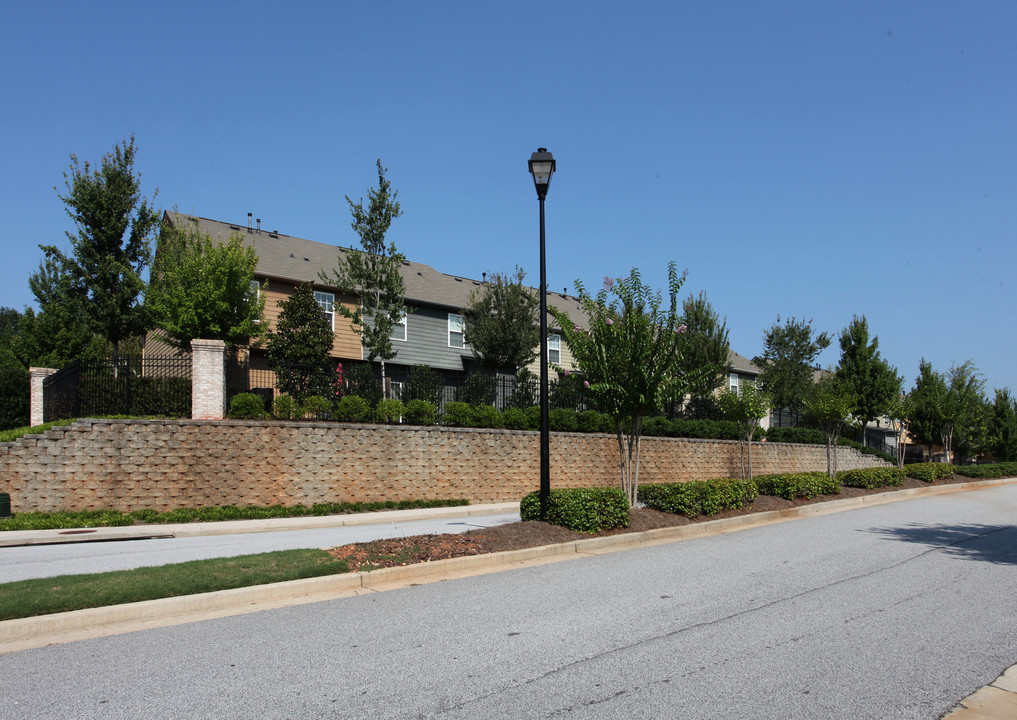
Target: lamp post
[(542, 167)]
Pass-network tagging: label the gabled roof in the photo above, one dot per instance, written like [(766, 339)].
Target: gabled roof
[(741, 364), (297, 260)]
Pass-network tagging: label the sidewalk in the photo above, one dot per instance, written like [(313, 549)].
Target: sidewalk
[(21, 538)]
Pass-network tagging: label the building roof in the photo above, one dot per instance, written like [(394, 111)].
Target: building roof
[(293, 259), (741, 364)]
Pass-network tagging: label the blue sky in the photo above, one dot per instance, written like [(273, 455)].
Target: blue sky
[(808, 159)]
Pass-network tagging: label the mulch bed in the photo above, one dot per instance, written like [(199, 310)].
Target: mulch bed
[(519, 535)]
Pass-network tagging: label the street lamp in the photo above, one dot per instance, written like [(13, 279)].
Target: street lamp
[(542, 167)]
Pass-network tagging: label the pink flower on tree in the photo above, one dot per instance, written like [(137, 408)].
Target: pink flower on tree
[(608, 282), (609, 321), (586, 383), (567, 373), (681, 328)]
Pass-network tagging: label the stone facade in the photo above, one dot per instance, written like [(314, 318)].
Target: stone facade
[(166, 464)]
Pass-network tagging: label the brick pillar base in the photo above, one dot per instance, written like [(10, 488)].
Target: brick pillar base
[(208, 379), (37, 411)]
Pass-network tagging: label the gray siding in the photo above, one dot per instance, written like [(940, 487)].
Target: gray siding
[(427, 341)]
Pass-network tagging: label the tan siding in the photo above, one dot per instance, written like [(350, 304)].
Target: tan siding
[(345, 344)]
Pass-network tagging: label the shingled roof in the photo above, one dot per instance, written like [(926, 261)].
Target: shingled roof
[(296, 260)]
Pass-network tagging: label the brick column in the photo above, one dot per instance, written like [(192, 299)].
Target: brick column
[(208, 379), (36, 412)]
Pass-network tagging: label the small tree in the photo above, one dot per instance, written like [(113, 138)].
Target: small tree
[(204, 289), (705, 345), (746, 407), (871, 382), (502, 323), (967, 410), (629, 355), (829, 403), (1003, 427), (373, 273), (111, 247), (789, 353), (900, 411), (298, 350), (929, 407)]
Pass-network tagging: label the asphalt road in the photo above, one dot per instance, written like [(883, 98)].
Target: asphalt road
[(38, 561), (892, 611)]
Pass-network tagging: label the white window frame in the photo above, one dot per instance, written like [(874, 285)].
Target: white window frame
[(400, 324), (553, 346), (456, 324), (327, 302), (732, 382)]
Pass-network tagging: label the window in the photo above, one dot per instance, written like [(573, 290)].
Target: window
[(456, 338), (256, 289), (327, 302), (399, 329), (732, 383), (553, 349)]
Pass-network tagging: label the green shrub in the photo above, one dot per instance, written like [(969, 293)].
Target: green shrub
[(533, 417), (591, 421), (515, 419), (316, 408), (567, 392), (699, 497), (479, 388), (871, 477), (988, 471), (797, 485), (353, 408), (284, 408), (809, 436), (486, 416), (389, 412), (562, 419), (362, 382), (581, 509), (525, 393), (929, 472), (457, 414), (657, 427), (247, 406), (420, 412)]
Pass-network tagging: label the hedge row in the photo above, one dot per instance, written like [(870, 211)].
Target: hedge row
[(580, 509), (985, 472), (797, 485), (700, 497), (872, 477)]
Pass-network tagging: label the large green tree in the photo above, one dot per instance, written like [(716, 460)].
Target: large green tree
[(705, 350), (204, 289), (372, 273), (630, 356), (968, 412), (870, 381), (110, 248), (928, 406), (789, 354), (502, 323), (298, 350)]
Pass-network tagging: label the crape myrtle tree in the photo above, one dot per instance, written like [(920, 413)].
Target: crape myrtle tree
[(629, 356), (1002, 441), (101, 280), (789, 353), (829, 402), (201, 288), (373, 273), (705, 344), (298, 350), (870, 381), (900, 412), (746, 406), (502, 323)]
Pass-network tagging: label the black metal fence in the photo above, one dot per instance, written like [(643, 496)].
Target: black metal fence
[(130, 386), (404, 383)]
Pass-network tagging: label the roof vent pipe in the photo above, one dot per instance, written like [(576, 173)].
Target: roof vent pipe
[(249, 216), (259, 226), (485, 276)]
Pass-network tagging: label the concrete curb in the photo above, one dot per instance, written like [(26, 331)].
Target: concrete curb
[(99, 622), (995, 701)]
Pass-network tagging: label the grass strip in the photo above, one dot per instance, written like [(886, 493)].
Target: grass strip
[(43, 596)]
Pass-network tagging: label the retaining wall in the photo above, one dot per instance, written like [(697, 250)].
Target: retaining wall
[(166, 464)]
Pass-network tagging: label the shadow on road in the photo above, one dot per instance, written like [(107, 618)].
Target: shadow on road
[(988, 543)]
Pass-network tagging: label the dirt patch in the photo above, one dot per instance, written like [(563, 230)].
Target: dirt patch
[(519, 535)]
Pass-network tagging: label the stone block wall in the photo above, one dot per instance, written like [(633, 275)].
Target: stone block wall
[(166, 464)]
